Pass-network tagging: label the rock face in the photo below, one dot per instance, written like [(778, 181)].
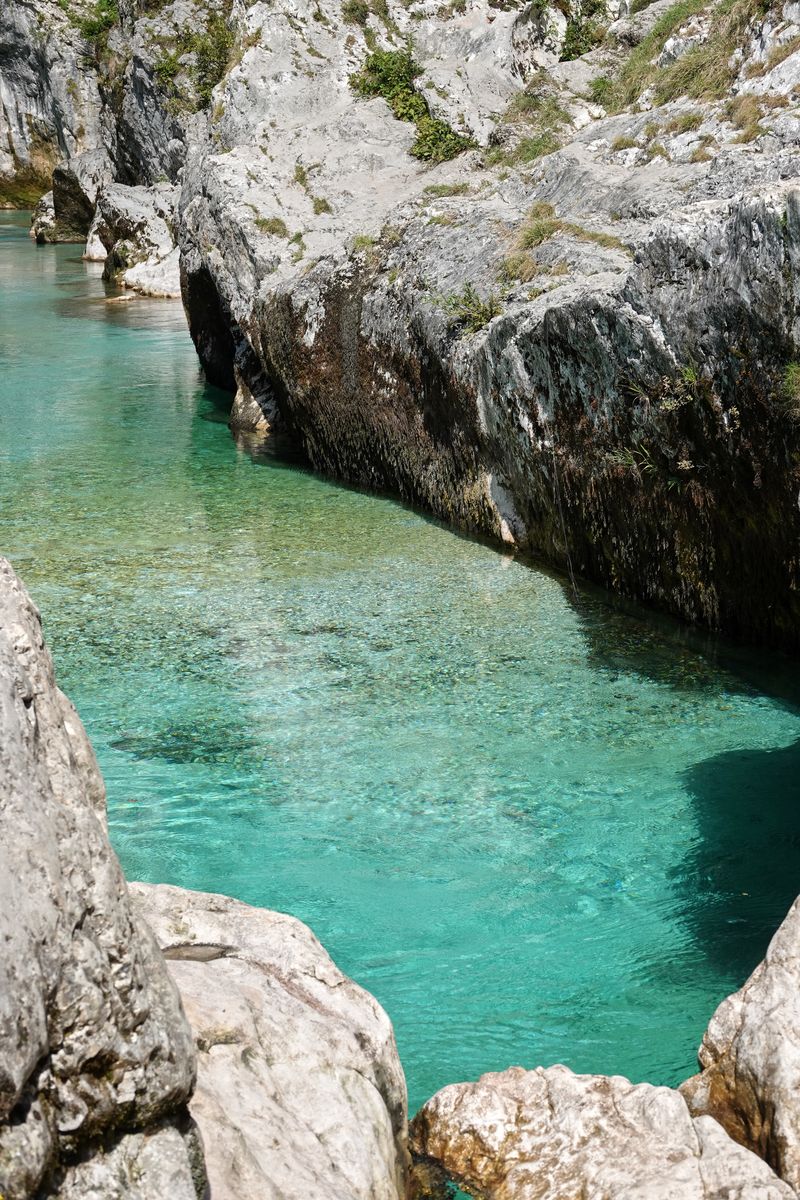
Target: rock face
[(50, 103), (300, 1092), (580, 337), (133, 232), (750, 1057), (588, 354), (97, 1058), (549, 1134)]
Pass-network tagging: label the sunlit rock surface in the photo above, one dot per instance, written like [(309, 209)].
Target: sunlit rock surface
[(550, 1134), (94, 1044), (300, 1092), (750, 1057)]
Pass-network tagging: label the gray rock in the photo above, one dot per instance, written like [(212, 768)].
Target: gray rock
[(300, 1092), (549, 1134), (51, 107), (93, 1040), (43, 220), (132, 230), (607, 399), (750, 1057), (76, 186), (140, 1166)]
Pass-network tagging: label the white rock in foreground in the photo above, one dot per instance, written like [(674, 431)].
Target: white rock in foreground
[(94, 1046), (751, 1057), (552, 1135), (300, 1091)]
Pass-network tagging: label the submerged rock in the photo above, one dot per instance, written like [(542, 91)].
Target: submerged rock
[(300, 1092), (750, 1057), (94, 1044), (550, 1134)]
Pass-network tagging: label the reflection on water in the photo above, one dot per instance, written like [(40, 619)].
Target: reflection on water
[(525, 822)]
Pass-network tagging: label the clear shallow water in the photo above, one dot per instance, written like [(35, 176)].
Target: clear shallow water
[(537, 829)]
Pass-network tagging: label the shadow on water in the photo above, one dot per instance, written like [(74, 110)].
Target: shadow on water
[(738, 885)]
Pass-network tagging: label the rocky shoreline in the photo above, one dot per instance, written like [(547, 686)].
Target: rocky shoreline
[(237, 1061), (533, 268)]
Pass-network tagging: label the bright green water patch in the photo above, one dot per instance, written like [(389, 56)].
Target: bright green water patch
[(539, 831)]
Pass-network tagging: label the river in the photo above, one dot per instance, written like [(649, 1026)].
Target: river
[(538, 828)]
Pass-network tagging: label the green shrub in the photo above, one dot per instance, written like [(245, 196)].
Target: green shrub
[(790, 389), (470, 310), (355, 12), (212, 50), (601, 91), (166, 69), (585, 30), (386, 73), (391, 75), (321, 206), (96, 24), (436, 142)]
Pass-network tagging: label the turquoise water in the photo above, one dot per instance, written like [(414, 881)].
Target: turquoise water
[(537, 829)]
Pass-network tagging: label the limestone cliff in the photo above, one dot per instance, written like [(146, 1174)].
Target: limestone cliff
[(531, 267)]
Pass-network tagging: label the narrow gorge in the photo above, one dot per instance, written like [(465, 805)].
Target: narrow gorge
[(523, 272)]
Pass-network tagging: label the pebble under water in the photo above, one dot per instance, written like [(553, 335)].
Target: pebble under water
[(537, 828)]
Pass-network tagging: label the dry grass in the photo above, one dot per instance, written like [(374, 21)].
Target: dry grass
[(685, 123), (542, 224), (705, 72)]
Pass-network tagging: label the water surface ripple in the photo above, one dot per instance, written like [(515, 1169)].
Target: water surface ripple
[(537, 829)]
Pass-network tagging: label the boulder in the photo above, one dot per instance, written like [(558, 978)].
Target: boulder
[(76, 185), (43, 220), (550, 1134), (132, 231), (94, 1045), (300, 1092), (750, 1057)]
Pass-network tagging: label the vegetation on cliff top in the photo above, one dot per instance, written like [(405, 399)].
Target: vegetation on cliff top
[(704, 72), (391, 75)]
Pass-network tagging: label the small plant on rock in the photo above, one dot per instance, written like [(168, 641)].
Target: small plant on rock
[(391, 75), (273, 226), (470, 310)]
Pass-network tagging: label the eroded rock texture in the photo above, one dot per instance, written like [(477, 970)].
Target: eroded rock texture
[(588, 356), (549, 1134), (97, 1060), (300, 1092), (750, 1057)]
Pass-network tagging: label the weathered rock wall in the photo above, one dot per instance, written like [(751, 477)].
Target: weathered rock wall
[(614, 391), (50, 104), (97, 1057), (750, 1058), (300, 1092)]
